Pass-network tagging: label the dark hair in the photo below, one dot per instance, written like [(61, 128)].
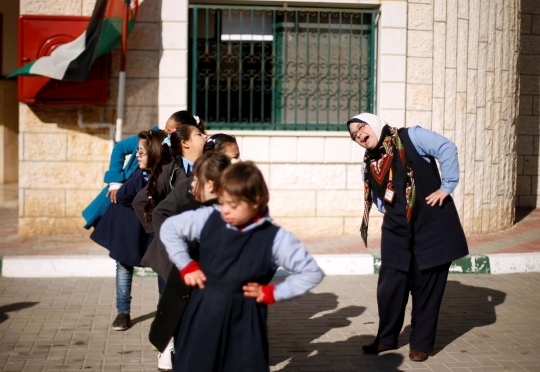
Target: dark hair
[(208, 168), (218, 142), (244, 181), (182, 133), (153, 139), (185, 117)]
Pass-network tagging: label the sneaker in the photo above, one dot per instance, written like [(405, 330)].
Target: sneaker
[(165, 359), (121, 323)]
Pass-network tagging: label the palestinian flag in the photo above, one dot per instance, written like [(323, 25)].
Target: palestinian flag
[(72, 61)]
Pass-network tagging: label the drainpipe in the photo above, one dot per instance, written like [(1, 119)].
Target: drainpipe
[(110, 126)]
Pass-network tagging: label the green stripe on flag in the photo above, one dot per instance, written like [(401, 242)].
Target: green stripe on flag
[(25, 70), (111, 34)]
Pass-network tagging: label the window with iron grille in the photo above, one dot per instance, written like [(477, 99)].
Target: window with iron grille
[(270, 68)]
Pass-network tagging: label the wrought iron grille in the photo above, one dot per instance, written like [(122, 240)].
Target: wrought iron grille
[(280, 68)]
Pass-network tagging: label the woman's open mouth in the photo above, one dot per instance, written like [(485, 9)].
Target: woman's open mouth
[(364, 138)]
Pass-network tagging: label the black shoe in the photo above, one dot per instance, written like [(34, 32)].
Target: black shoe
[(376, 348), (121, 323)]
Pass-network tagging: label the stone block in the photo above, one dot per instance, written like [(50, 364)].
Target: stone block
[(285, 203), (472, 82), (49, 226), (421, 118), (61, 175), (145, 36), (352, 225), (468, 213), (419, 43), (337, 150), (463, 9), (78, 200), (393, 14), (256, 149), (357, 153), (138, 118), (524, 185), (530, 85), (86, 147), (283, 149), (355, 179), (461, 125), (528, 125), (479, 134), (529, 201), (499, 15), (311, 150), (139, 63), (451, 33), (439, 10), (339, 203), (536, 25), (44, 203), (450, 99), (470, 144), (44, 146), (437, 121), (474, 28), (478, 186), (172, 92), (47, 7), (526, 24), (486, 218), (462, 55), (529, 65), (393, 41), (419, 70), (174, 10), (308, 176), (530, 44), (265, 170), (439, 39), (140, 92), (56, 119), (519, 165), (536, 106), (173, 64), (394, 117), (392, 95), (484, 20), (420, 17), (530, 6), (481, 77), (490, 83), (88, 7), (531, 165), (149, 11), (536, 146), (312, 226), (526, 104), (419, 97), (174, 35), (393, 69)]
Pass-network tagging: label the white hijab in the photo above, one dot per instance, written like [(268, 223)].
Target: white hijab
[(376, 123)]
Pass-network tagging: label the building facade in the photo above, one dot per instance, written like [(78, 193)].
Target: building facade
[(284, 78)]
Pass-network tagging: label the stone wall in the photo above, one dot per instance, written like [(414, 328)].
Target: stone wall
[(528, 128), (61, 165), (9, 124), (462, 83)]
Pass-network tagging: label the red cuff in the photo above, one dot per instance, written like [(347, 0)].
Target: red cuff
[(191, 267), (268, 291)]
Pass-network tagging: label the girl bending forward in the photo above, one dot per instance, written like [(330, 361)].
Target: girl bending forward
[(224, 325)]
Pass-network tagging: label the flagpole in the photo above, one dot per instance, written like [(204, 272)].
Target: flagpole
[(122, 75)]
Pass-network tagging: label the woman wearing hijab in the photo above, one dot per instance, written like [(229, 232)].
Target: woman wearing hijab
[(421, 231)]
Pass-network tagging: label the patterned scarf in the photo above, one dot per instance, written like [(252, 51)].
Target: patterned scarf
[(377, 165)]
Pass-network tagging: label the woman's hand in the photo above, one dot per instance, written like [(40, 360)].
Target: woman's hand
[(437, 197), (112, 194), (194, 279), (254, 290)]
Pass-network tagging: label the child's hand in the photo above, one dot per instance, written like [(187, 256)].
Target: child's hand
[(254, 290), (194, 279), (112, 194)]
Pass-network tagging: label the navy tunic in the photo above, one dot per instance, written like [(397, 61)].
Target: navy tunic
[(438, 237), (119, 230), (222, 330)]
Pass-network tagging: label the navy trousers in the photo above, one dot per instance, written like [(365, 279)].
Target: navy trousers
[(426, 288)]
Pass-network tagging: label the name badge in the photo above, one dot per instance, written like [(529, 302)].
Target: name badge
[(389, 194)]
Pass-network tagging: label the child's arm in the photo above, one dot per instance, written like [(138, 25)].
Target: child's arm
[(174, 233), (289, 253)]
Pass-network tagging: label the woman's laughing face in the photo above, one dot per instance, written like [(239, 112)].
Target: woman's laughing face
[(363, 135)]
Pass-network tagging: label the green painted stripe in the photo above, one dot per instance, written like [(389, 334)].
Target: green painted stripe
[(475, 264), (143, 271)]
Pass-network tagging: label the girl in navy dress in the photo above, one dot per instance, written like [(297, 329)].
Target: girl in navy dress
[(240, 248), (121, 232)]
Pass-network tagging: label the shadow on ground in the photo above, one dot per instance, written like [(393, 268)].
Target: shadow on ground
[(293, 328), (14, 307)]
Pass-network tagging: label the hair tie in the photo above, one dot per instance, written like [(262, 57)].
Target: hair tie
[(173, 131), (213, 140), (197, 119), (167, 141)]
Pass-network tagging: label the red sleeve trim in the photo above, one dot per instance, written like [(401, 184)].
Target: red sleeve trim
[(268, 291), (190, 267)]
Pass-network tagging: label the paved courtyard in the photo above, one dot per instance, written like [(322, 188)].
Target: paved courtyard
[(487, 323)]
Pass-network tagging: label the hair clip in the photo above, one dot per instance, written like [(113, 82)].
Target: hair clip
[(234, 161), (213, 140), (197, 119), (173, 131), (167, 141)]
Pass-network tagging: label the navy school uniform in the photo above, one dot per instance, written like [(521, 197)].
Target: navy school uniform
[(119, 230)]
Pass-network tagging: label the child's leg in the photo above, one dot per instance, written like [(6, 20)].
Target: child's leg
[(124, 277)]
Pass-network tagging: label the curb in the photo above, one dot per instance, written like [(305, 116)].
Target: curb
[(331, 264)]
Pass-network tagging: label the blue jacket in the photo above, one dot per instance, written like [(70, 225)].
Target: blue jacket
[(116, 173)]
